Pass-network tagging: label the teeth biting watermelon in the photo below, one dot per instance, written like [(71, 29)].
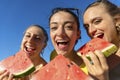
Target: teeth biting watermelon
[(60, 68), (19, 64), (97, 44)]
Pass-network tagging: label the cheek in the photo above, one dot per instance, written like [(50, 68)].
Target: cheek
[(22, 45), (72, 35), (52, 36)]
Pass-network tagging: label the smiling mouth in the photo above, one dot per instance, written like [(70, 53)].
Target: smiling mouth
[(62, 45), (29, 50), (99, 36)]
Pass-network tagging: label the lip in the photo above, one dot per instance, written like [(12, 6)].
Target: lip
[(99, 35), (62, 44), (29, 50)]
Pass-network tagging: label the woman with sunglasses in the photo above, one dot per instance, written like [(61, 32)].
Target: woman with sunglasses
[(64, 33)]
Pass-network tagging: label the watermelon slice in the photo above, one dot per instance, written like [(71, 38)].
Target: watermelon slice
[(97, 44), (60, 68), (19, 64)]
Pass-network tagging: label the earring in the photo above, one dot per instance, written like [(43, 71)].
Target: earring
[(118, 28)]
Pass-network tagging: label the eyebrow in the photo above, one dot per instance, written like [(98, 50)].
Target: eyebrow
[(64, 22)]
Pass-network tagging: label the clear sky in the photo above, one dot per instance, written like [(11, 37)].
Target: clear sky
[(17, 15)]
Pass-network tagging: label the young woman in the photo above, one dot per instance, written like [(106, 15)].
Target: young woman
[(102, 20), (34, 41), (64, 32)]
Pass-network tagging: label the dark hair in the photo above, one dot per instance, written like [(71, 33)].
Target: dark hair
[(68, 10), (111, 8), (43, 30)]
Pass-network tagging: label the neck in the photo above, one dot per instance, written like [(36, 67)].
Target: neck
[(114, 59), (70, 55), (37, 60), (74, 57)]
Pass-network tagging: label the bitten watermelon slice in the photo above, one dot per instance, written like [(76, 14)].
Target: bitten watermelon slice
[(60, 68), (19, 64), (98, 44)]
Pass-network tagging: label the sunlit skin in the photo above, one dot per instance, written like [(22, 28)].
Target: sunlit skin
[(99, 23), (33, 42), (63, 32)]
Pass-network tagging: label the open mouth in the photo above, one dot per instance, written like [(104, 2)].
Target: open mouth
[(99, 35), (62, 44), (29, 49)]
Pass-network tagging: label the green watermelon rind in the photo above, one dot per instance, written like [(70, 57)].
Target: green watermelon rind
[(25, 72), (109, 50), (106, 51)]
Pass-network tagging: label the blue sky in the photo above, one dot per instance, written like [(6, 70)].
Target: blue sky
[(17, 15)]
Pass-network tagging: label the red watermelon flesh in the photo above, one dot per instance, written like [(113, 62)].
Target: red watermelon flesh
[(60, 68), (98, 44), (19, 64)]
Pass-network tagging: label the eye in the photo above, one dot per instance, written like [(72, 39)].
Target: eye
[(97, 21), (27, 35), (86, 26), (69, 26), (38, 37), (53, 28)]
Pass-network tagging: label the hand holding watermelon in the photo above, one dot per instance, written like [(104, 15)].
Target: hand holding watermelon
[(18, 65), (99, 67), (5, 75), (94, 54)]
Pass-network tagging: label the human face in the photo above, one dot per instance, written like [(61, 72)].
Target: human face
[(99, 23), (63, 32), (33, 41)]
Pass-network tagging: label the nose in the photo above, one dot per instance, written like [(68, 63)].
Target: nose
[(92, 30), (31, 39), (61, 31)]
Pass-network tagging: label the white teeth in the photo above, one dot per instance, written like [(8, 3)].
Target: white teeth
[(95, 36), (30, 47), (62, 41)]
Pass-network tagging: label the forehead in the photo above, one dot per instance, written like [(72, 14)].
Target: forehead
[(63, 16), (94, 11), (34, 30)]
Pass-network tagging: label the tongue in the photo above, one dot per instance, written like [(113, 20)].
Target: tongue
[(30, 50), (62, 46)]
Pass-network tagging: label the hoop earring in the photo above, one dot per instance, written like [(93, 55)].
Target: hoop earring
[(118, 29)]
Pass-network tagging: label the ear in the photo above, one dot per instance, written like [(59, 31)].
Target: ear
[(117, 20)]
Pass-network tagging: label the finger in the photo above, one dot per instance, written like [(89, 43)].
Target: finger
[(96, 64), (94, 59), (3, 75), (102, 59), (2, 71), (10, 77), (87, 63)]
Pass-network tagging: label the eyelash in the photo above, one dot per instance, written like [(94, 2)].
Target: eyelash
[(35, 37)]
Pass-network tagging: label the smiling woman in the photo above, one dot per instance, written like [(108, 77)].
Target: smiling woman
[(102, 20), (34, 41)]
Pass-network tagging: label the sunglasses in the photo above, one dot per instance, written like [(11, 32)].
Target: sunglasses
[(74, 11)]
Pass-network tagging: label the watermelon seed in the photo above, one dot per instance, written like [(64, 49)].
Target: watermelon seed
[(71, 63), (68, 65)]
